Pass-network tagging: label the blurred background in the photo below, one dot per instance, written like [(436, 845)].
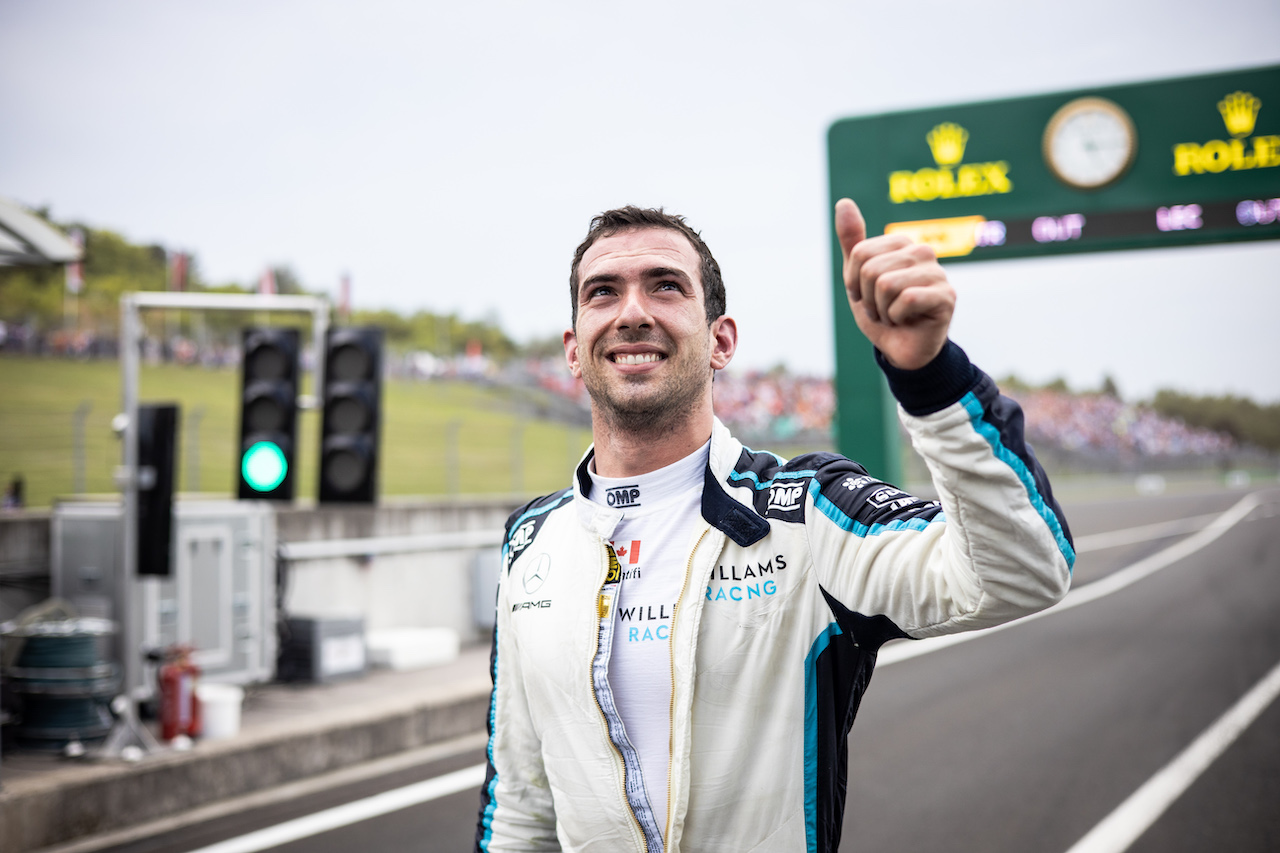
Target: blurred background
[(427, 169), (430, 168)]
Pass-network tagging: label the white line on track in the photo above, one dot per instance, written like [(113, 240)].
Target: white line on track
[(1135, 815), (900, 651), (1144, 533), (349, 813)]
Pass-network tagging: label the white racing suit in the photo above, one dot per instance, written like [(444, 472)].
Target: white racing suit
[(800, 570)]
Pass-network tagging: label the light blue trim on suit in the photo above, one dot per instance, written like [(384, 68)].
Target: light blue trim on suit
[(759, 486), (491, 803), (811, 734), (973, 406)]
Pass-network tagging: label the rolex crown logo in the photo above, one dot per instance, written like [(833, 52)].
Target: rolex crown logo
[(1239, 112), (946, 141)]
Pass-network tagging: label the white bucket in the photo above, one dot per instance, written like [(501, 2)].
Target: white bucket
[(219, 710)]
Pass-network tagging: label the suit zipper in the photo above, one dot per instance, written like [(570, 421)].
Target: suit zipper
[(600, 614), (671, 722)]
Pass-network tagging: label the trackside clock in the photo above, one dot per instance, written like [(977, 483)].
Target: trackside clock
[(1089, 143)]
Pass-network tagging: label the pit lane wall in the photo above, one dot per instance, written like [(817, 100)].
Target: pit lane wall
[(405, 564)]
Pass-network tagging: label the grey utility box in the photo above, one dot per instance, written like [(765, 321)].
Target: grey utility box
[(220, 598)]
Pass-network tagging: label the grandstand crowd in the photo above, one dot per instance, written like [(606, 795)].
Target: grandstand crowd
[(780, 405)]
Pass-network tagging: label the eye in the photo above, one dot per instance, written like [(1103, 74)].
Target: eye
[(599, 290)]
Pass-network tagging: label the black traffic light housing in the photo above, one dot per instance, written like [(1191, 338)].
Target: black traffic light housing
[(268, 414), (351, 418), (157, 452)]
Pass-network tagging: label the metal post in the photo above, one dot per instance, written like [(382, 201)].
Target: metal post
[(130, 627), (193, 448), (319, 331)]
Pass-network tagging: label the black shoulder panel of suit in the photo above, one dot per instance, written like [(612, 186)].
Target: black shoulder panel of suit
[(862, 504), (778, 488), (523, 524)]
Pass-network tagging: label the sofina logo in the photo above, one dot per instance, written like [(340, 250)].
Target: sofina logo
[(951, 179), (1239, 111)]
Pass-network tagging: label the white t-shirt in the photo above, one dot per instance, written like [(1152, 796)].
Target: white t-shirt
[(660, 511)]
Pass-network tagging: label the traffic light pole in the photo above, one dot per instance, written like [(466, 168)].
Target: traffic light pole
[(131, 307)]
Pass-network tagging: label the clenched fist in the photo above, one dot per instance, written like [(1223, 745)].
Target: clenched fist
[(898, 291)]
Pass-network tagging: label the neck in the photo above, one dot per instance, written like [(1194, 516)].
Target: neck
[(627, 451)]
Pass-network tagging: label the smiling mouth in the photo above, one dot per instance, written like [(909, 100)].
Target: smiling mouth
[(636, 358)]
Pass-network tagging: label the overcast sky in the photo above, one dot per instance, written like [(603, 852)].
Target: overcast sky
[(450, 157)]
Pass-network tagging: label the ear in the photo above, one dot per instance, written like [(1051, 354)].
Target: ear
[(724, 341), (571, 353)]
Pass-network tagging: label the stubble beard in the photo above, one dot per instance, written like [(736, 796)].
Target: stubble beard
[(660, 408)]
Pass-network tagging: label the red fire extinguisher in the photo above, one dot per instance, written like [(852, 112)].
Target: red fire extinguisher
[(179, 705)]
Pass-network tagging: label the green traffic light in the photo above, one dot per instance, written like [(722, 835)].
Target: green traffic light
[(264, 466)]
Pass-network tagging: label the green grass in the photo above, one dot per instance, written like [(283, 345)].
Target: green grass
[(495, 450)]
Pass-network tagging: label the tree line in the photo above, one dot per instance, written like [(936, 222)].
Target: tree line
[(35, 299)]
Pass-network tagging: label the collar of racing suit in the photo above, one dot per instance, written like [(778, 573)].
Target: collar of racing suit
[(740, 523)]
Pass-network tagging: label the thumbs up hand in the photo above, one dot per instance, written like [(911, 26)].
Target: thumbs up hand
[(898, 291)]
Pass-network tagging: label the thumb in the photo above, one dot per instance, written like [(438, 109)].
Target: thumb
[(851, 228)]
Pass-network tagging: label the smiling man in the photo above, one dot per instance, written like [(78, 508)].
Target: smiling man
[(684, 635)]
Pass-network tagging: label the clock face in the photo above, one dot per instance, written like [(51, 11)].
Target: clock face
[(1089, 143)]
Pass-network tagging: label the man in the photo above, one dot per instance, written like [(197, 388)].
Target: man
[(683, 637)]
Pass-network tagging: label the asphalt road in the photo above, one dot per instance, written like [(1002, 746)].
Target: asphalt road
[(1018, 741)]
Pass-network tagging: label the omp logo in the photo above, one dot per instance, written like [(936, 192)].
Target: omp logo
[(786, 497), (535, 574), (855, 483), (1239, 112), (890, 498), (622, 496)]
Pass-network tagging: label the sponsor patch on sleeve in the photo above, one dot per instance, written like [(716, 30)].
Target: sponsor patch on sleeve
[(870, 501)]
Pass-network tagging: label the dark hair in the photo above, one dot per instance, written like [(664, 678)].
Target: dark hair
[(632, 218)]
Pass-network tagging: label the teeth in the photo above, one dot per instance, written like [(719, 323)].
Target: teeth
[(638, 358)]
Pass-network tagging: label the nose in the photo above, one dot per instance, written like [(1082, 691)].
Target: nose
[(634, 312)]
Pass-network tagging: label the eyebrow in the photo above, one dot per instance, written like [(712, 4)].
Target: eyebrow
[(652, 272)]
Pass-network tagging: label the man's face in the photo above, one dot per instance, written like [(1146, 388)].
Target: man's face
[(642, 344)]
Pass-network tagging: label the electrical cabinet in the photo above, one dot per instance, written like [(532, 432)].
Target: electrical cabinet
[(219, 600)]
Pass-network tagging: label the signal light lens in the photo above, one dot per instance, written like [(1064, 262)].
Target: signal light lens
[(266, 362), (345, 469), (264, 466), (350, 363), (264, 414)]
